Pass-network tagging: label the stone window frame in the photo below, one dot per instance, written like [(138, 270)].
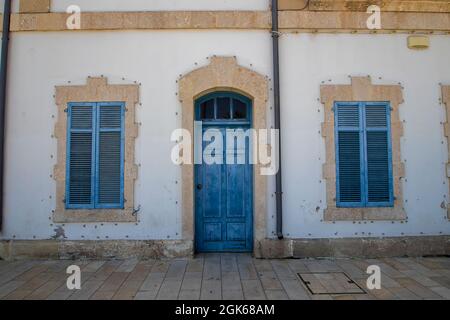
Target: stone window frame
[(446, 101), (224, 74), (96, 89), (362, 89)]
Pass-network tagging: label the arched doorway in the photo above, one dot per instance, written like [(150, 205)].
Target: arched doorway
[(224, 74), (223, 182)]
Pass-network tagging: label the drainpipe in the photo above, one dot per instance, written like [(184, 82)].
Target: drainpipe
[(3, 69), (276, 93)]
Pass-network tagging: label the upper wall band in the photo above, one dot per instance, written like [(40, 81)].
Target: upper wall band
[(296, 21)]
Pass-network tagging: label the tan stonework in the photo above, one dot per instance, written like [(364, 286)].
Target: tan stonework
[(295, 21), (347, 21), (361, 89), (96, 90), (145, 20), (94, 249), (293, 4), (270, 248), (223, 73), (34, 6), (362, 5), (38, 6), (446, 101)]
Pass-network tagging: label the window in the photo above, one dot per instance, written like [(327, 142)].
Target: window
[(363, 154), (224, 106), (95, 156)]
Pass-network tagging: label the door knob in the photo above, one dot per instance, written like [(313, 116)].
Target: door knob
[(199, 187)]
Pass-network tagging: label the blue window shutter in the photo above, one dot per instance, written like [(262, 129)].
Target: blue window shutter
[(349, 167), (378, 154), (110, 157), (363, 154), (348, 155), (80, 150)]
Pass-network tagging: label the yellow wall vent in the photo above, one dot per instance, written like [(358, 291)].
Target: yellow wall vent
[(418, 42)]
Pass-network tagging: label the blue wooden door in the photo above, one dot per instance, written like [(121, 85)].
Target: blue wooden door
[(224, 189)]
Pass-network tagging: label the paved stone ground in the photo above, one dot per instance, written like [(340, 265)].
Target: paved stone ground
[(224, 276)]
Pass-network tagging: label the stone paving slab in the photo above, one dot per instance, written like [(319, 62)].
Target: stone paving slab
[(225, 276)]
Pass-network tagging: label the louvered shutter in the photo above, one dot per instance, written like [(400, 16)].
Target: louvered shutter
[(377, 153), (80, 154), (348, 145), (110, 156)]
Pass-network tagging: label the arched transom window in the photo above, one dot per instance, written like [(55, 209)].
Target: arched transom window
[(223, 106)]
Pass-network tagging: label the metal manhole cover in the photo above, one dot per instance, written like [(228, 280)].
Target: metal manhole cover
[(330, 283)]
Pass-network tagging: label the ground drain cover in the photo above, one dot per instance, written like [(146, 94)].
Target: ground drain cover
[(330, 283)]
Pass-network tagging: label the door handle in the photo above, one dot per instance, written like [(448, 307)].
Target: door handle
[(199, 186)]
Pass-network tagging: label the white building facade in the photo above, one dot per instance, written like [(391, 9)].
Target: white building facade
[(157, 58)]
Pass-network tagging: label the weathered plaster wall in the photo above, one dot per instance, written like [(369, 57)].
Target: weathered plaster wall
[(159, 5), (147, 5), (306, 61), (14, 6), (156, 60)]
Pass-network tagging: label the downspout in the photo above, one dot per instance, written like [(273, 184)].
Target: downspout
[(3, 71), (276, 93)]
